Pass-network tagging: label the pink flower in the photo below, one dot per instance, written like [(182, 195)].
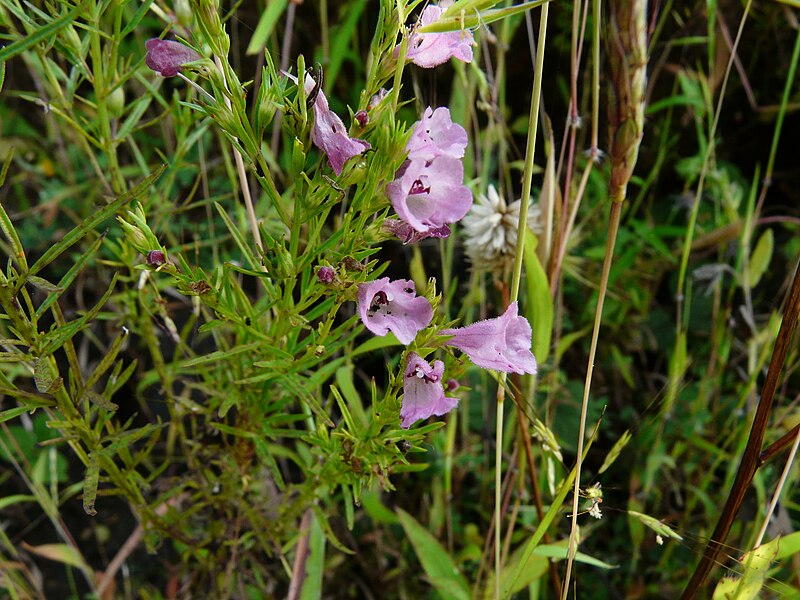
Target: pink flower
[(502, 344), (393, 306), (166, 57), (423, 394), (436, 135), (429, 195), (433, 49), (329, 133)]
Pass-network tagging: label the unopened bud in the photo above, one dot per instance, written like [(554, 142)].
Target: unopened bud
[(326, 275), (362, 117), (156, 258)]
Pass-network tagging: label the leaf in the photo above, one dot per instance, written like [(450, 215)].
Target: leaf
[(100, 400), (614, 452), (62, 553), (44, 373), (655, 525), (89, 224), (464, 15), (40, 34), (266, 24), (760, 258), (540, 302), (90, 484), (326, 528), (315, 563), (755, 564), (437, 563)]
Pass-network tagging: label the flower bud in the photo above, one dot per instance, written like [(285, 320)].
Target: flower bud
[(362, 117), (156, 258), (115, 102), (326, 275)]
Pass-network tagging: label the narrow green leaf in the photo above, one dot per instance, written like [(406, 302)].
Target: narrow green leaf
[(326, 528), (459, 16), (56, 337), (615, 450), (17, 251), (437, 563), (15, 499), (134, 21), (540, 302), (90, 484), (655, 525), (12, 413), (101, 401), (315, 563), (266, 24), (243, 245), (344, 381), (69, 276), (760, 258), (98, 217), (39, 34), (62, 553)]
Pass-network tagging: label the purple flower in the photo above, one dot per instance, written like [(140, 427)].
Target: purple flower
[(156, 258), (409, 235), (329, 133), (393, 305), (433, 49), (423, 394), (502, 344), (436, 135), (166, 57), (326, 275), (429, 195)]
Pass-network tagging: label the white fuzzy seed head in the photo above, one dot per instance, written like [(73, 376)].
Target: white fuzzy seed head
[(490, 231)]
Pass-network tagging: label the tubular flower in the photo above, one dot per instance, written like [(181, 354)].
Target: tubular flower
[(430, 195), (423, 394), (166, 57), (329, 133), (502, 344), (393, 306), (433, 49), (436, 135)]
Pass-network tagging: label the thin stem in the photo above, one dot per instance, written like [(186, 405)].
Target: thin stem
[(533, 125), (498, 490), (777, 495), (613, 226), (752, 452)]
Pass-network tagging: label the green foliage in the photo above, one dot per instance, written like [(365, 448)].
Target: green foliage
[(228, 408)]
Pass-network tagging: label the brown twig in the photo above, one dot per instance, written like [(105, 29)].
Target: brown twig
[(752, 453)]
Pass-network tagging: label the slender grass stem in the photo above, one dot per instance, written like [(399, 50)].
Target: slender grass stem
[(613, 226), (527, 178)]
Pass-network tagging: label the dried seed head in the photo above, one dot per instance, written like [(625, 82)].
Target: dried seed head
[(626, 43)]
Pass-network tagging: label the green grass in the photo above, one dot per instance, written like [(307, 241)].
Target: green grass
[(224, 426)]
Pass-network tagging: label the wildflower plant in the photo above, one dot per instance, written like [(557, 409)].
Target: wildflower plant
[(259, 322)]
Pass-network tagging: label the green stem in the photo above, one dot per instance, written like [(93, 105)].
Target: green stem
[(530, 150), (613, 226)]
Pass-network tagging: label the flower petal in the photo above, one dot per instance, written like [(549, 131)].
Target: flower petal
[(430, 195), (436, 135), (393, 306), (423, 394), (432, 49), (502, 344)]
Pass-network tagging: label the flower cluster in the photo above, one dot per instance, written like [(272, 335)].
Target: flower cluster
[(428, 192)]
